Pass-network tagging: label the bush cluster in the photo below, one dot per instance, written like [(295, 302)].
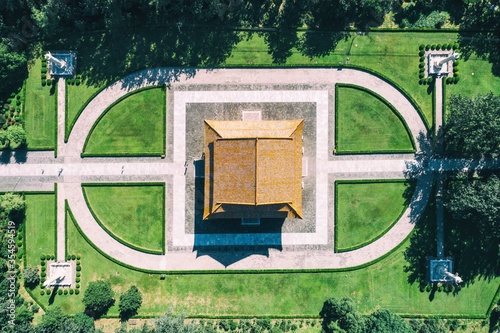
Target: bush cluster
[(436, 47)]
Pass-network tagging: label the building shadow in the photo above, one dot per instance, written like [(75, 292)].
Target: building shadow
[(228, 240)]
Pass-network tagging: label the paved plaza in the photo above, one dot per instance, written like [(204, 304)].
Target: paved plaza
[(223, 94)]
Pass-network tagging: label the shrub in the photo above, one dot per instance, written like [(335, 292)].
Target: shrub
[(77, 280), (78, 257), (421, 46), (42, 263), (456, 73), (438, 47), (48, 292), (44, 69), (43, 274), (449, 46), (427, 47), (78, 274), (77, 292), (59, 292), (44, 268), (73, 257), (421, 53), (78, 268), (421, 81), (429, 80), (44, 83), (18, 97), (65, 291), (18, 102), (421, 65), (42, 292), (433, 47), (422, 59), (77, 82), (71, 291), (77, 286), (49, 82), (456, 79), (78, 262)]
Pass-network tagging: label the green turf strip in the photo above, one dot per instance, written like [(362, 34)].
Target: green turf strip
[(133, 214), (40, 111), (133, 126), (365, 211), (40, 227), (366, 124), (76, 98)]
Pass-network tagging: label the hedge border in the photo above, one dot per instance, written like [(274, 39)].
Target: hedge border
[(389, 105), (80, 111), (115, 237), (56, 89), (364, 181), (55, 229), (161, 154)]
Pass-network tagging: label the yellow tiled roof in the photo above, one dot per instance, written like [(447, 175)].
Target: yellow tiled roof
[(253, 169)]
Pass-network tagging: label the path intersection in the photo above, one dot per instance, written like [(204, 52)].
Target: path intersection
[(310, 248)]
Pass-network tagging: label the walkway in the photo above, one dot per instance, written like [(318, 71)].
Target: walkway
[(69, 170)]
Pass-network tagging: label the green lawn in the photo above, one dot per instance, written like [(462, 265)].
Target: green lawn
[(40, 111), (393, 54), (133, 126), (383, 284), (40, 227), (475, 78), (133, 214), (366, 124), (365, 211), (76, 99)]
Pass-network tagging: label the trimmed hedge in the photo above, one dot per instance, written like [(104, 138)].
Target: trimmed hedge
[(83, 154), (363, 181), (389, 105), (115, 237)]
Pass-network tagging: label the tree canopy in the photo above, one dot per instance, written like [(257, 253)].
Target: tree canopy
[(472, 126), (130, 302), (98, 298)]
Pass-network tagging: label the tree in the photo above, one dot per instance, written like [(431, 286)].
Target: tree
[(384, 321), (12, 203), (473, 210), (80, 323), (16, 136), (52, 321), (339, 315), (483, 19), (130, 302), (4, 140), (13, 68), (472, 127), (98, 298), (171, 323), (30, 276)]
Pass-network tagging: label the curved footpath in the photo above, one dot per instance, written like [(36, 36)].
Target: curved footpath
[(261, 77), (69, 170)]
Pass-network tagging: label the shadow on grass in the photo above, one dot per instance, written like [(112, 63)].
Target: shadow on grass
[(107, 56), (209, 235)]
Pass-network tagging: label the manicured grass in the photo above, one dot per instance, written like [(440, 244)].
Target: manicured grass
[(40, 227), (40, 111), (133, 214), (383, 284), (482, 82), (393, 54), (365, 211), (133, 126), (76, 99), (366, 124)]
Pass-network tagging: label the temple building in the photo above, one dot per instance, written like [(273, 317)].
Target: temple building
[(253, 169)]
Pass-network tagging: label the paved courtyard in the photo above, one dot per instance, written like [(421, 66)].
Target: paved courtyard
[(193, 95)]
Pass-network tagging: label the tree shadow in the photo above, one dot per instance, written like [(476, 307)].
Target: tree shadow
[(105, 57), (21, 155), (5, 156), (218, 238), (98, 314)]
